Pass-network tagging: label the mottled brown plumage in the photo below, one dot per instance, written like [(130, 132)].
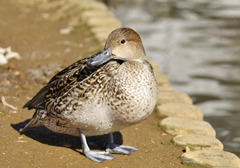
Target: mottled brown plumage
[(100, 94)]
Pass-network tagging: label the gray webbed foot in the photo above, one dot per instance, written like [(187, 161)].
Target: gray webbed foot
[(94, 156), (98, 156), (120, 149)]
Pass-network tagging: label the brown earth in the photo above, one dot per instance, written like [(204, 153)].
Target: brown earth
[(44, 51)]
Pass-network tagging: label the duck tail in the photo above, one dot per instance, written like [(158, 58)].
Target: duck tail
[(35, 121)]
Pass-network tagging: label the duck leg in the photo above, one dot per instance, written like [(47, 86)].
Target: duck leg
[(119, 149), (94, 156)]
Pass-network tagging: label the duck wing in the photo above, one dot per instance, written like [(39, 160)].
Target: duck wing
[(63, 80)]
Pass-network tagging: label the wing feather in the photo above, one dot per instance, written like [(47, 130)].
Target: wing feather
[(62, 80)]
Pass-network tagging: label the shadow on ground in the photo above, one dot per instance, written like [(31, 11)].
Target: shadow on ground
[(46, 136)]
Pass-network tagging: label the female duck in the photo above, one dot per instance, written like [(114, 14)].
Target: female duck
[(100, 94)]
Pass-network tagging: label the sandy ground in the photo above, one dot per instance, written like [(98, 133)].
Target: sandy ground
[(45, 51)]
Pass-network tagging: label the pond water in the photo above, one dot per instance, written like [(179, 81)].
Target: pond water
[(197, 45)]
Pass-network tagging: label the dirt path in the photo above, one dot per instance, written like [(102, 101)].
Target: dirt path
[(44, 51)]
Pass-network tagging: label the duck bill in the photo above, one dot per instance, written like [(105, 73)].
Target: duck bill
[(100, 58)]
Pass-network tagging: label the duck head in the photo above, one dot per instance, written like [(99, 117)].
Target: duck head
[(122, 44)]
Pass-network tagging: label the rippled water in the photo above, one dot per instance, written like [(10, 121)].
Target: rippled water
[(197, 45)]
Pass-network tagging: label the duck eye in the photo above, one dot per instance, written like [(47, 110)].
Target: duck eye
[(122, 41)]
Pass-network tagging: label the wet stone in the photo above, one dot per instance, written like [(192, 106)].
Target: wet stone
[(180, 126), (211, 158), (173, 97), (197, 142), (180, 110)]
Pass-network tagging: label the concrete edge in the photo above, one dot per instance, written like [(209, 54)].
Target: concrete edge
[(93, 14)]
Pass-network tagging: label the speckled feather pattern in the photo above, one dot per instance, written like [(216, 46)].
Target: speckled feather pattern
[(99, 99), (110, 99)]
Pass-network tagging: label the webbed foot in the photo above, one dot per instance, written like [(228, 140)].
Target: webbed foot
[(120, 149), (98, 156)]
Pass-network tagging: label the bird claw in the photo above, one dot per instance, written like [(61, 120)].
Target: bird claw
[(98, 156)]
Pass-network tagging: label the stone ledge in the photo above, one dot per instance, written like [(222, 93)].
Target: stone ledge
[(165, 88), (180, 126), (197, 142), (180, 110), (160, 77), (173, 97), (211, 158)]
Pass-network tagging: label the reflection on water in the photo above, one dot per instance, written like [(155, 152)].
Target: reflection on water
[(197, 44)]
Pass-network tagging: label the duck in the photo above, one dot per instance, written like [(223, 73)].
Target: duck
[(100, 94)]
